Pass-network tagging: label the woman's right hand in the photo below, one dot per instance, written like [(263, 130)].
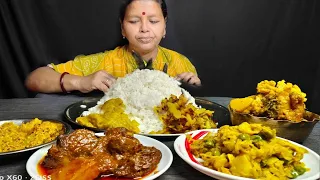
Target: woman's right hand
[(100, 80)]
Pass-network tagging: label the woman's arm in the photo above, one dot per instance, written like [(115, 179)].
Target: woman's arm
[(47, 80), (185, 71)]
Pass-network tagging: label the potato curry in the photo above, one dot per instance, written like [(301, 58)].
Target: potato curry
[(280, 101), (179, 116), (250, 150)]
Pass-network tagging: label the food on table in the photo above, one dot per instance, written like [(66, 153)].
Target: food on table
[(280, 101), (33, 133), (112, 116), (179, 116), (249, 150), (137, 95), (82, 155)]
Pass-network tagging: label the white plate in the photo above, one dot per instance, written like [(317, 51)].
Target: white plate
[(67, 129), (161, 135), (163, 165), (150, 135), (311, 160)]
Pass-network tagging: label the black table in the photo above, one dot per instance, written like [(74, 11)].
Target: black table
[(52, 107)]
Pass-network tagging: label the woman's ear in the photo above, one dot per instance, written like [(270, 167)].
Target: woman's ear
[(122, 30), (165, 30)]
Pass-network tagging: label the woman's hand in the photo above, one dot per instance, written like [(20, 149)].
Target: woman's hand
[(100, 80), (189, 78)]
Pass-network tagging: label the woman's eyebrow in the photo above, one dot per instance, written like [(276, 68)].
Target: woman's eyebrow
[(133, 16), (152, 15)]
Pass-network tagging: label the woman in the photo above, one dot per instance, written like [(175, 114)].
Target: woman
[(143, 24)]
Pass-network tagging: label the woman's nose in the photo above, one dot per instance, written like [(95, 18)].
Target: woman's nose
[(144, 27)]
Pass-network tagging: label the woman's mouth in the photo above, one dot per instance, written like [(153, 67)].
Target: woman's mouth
[(145, 40)]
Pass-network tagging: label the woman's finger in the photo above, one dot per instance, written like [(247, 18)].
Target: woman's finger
[(179, 77), (103, 87), (198, 82), (107, 82), (193, 80), (187, 77), (110, 78)]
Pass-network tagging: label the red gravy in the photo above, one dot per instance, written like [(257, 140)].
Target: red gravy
[(44, 173)]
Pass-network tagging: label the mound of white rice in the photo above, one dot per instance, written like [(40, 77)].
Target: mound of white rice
[(141, 91)]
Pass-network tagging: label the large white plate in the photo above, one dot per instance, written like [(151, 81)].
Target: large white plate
[(163, 165), (150, 135), (311, 159)]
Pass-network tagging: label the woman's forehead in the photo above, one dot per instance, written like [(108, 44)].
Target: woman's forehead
[(144, 7)]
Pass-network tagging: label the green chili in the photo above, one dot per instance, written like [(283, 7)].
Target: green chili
[(244, 137), (294, 174), (256, 138)]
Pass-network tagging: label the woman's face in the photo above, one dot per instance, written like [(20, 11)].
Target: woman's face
[(143, 25)]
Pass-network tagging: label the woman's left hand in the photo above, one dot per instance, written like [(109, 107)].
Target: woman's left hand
[(189, 78)]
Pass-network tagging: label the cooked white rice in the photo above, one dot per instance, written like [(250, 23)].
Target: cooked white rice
[(141, 91)]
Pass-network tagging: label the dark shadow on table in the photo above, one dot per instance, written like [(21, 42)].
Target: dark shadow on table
[(18, 161), (97, 94)]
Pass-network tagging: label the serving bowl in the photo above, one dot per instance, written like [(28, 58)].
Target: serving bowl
[(182, 148), (294, 131)]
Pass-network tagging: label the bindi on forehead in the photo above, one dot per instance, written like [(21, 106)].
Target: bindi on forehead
[(143, 13)]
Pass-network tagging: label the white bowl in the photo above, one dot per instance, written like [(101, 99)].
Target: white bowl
[(311, 159), (164, 164)]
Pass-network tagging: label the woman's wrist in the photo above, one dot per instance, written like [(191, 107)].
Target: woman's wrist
[(70, 82)]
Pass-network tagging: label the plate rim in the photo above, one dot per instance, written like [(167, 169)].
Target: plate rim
[(150, 135), (67, 131), (218, 174), (169, 155)]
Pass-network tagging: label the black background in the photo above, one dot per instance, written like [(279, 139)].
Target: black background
[(234, 44)]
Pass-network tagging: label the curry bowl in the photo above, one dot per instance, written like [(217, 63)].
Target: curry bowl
[(294, 131)]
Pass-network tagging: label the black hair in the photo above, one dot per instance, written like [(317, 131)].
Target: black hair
[(126, 3)]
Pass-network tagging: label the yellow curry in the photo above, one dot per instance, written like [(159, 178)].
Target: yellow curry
[(179, 116), (33, 133), (281, 101), (113, 116), (251, 151)]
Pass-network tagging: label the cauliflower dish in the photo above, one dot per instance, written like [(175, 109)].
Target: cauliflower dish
[(251, 151), (280, 101)]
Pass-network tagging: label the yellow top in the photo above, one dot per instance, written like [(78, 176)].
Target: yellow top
[(119, 62)]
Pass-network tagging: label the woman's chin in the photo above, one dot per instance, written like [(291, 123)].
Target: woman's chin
[(147, 47)]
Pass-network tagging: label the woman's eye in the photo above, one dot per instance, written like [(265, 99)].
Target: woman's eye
[(154, 22), (133, 22)]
